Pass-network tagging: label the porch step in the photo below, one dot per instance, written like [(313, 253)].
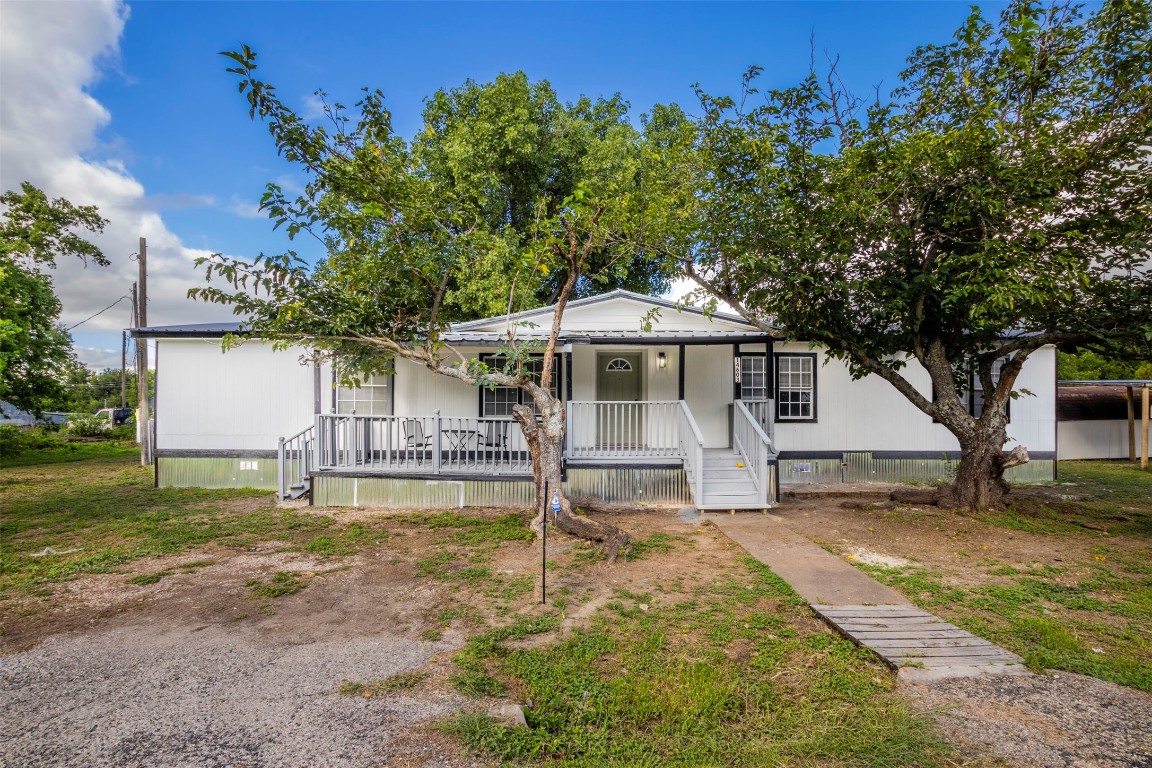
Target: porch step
[(727, 483)]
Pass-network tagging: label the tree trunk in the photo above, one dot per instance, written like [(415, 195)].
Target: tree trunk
[(545, 440), (979, 482)]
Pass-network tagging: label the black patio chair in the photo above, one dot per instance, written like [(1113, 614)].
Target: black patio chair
[(414, 438), (493, 439)]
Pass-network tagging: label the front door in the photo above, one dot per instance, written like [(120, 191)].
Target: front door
[(619, 389)]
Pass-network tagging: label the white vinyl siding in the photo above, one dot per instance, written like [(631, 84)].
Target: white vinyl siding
[(624, 314), (242, 399)]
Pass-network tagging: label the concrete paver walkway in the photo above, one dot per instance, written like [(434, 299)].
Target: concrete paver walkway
[(817, 575), (919, 645)]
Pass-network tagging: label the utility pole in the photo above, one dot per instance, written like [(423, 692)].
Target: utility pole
[(124, 361), (142, 356)]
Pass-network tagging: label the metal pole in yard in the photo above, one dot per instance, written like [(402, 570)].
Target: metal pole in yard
[(544, 550)]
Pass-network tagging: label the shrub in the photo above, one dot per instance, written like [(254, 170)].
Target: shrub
[(15, 441), (125, 432), (89, 426)]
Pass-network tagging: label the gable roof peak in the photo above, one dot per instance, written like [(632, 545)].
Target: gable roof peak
[(618, 293)]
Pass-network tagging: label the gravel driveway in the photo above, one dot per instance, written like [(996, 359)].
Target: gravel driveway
[(209, 696)]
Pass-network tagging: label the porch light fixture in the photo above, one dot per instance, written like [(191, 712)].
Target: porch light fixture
[(661, 360)]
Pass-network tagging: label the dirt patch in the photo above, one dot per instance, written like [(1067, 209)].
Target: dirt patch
[(195, 668), (948, 541)]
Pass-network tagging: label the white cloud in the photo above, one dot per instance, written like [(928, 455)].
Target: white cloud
[(313, 108), (245, 209), (50, 55)]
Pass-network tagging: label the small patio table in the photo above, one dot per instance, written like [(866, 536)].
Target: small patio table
[(458, 437)]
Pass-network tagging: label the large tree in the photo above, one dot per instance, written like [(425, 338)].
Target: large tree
[(506, 200), (35, 351), (997, 202)]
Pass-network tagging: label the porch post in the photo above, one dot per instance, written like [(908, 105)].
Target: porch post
[(567, 429), (318, 443), (680, 363), (436, 440), (281, 471)]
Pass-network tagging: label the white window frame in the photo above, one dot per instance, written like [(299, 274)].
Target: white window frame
[(749, 391), (506, 397), (790, 364), (363, 400)]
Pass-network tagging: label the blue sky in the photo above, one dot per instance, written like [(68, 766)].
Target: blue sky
[(174, 155)]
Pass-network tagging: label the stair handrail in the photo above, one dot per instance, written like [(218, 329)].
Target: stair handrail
[(692, 450), (754, 446), (298, 449)]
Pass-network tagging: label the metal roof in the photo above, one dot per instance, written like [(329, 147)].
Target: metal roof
[(495, 338), (194, 330)]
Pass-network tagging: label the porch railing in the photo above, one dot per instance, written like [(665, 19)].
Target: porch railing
[(616, 430), (424, 444), (691, 442), (294, 457), (755, 447), (763, 413)]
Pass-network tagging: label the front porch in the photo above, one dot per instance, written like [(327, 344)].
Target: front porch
[(641, 436)]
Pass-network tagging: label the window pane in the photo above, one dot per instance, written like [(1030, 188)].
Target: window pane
[(795, 384)]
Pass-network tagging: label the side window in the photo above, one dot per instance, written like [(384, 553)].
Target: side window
[(498, 401), (754, 377), (372, 398), (795, 387), (976, 394), (973, 395)]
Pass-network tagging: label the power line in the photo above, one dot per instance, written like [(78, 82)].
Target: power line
[(98, 313)]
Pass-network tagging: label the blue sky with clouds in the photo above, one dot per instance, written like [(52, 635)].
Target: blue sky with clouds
[(129, 106)]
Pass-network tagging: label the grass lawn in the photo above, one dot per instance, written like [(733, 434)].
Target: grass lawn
[(688, 653), (97, 505), (1062, 577), (728, 672)]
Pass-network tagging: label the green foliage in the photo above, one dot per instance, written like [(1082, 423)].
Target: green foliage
[(997, 201), (506, 199), (89, 426), (34, 349), (16, 442), (85, 391), (1090, 366)]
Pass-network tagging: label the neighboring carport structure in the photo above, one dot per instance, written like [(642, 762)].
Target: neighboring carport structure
[(1091, 416)]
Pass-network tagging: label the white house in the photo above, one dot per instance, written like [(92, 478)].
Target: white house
[(698, 410)]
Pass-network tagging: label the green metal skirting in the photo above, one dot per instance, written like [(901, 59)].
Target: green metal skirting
[(651, 485), (863, 468), (639, 485), (217, 472)]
